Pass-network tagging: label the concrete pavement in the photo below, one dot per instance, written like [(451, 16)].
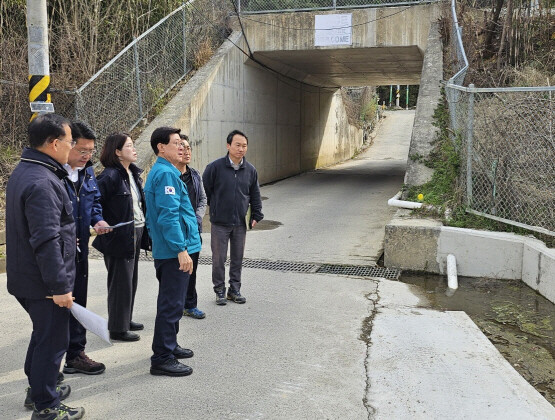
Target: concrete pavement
[(304, 346)]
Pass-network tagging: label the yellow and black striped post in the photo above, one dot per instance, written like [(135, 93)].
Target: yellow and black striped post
[(39, 90), (39, 63)]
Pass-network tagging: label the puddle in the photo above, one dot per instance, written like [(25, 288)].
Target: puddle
[(267, 225), (517, 320), (263, 225)]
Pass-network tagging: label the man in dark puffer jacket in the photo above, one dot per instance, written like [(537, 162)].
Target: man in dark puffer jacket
[(40, 245)]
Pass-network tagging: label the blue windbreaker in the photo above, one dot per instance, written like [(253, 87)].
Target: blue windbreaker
[(170, 218)]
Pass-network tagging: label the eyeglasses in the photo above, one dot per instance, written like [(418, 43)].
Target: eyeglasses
[(187, 148), (177, 144), (71, 142), (86, 152)]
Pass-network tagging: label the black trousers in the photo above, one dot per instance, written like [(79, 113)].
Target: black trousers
[(77, 333), (191, 296), (123, 276), (171, 298), (49, 342)]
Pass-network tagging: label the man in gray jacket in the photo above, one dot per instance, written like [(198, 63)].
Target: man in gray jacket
[(193, 181), (231, 185)]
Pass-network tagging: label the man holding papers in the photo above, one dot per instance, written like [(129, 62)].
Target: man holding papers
[(40, 238)]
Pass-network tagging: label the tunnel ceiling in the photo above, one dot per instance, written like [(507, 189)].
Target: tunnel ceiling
[(348, 66)]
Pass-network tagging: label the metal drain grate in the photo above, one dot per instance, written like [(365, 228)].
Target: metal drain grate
[(270, 265), (296, 267), (281, 266), (359, 270)]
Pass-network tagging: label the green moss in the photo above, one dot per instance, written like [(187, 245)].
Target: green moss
[(444, 160)]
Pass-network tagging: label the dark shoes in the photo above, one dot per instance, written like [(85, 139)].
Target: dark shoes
[(124, 336), (62, 412), (171, 367), (84, 364), (136, 326), (235, 296), (194, 313), (181, 353), (220, 296), (63, 392)]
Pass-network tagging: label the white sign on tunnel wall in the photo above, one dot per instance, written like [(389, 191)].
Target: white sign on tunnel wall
[(332, 30)]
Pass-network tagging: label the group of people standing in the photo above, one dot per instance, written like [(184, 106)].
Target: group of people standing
[(53, 199)]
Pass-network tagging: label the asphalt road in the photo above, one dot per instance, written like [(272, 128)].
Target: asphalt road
[(304, 346)]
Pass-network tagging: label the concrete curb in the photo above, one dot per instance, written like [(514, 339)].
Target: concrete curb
[(423, 245)]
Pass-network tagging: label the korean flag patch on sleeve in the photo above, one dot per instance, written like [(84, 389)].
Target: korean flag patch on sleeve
[(169, 190)]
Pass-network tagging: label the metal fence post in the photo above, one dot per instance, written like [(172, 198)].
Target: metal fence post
[(184, 40), (469, 137), (138, 77), (239, 6), (334, 4)]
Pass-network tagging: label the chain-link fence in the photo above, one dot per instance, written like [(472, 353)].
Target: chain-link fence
[(123, 92), (508, 153), (130, 85), (507, 147), (120, 94), (268, 6)]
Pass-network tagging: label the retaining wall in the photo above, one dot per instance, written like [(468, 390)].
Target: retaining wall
[(423, 245)]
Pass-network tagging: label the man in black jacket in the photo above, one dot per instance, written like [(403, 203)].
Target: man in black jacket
[(231, 185), (40, 245)]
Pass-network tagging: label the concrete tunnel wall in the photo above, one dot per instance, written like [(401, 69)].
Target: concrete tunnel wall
[(291, 127), (372, 27)]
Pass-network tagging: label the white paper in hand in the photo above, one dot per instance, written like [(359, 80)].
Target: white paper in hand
[(91, 321)]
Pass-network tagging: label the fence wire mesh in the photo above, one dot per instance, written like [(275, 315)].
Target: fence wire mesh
[(508, 154), (260, 6), (506, 144), (123, 92), (131, 84)]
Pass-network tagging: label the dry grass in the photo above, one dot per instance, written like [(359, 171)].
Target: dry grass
[(524, 58), (203, 53)]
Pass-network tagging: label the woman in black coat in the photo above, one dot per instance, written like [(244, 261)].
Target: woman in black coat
[(122, 200)]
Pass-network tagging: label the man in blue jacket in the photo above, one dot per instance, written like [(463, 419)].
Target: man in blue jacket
[(231, 185), (85, 198), (172, 226), (40, 257)]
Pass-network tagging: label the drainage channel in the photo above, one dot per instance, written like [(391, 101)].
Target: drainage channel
[(297, 267), (518, 321)]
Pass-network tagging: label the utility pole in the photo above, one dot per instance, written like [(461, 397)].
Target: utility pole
[(39, 63)]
